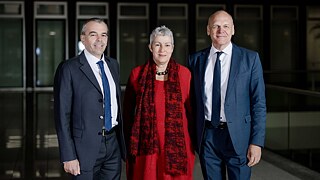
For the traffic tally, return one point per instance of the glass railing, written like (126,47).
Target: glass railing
(293,124)
(300,79)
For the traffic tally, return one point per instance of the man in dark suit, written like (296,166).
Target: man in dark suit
(230,103)
(88,149)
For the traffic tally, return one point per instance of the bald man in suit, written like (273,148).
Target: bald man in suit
(230,109)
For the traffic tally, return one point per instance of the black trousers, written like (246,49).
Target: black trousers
(108,163)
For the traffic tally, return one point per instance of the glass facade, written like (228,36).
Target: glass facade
(50,50)
(175,17)
(248,27)
(11,45)
(47,163)
(12,134)
(313,46)
(28,145)
(284,42)
(133,37)
(284,39)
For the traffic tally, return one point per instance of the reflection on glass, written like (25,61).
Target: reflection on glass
(284,42)
(11,53)
(47,162)
(313,46)
(293,125)
(10,8)
(92,10)
(50,50)
(11,135)
(50,9)
(80,46)
(249,36)
(133,46)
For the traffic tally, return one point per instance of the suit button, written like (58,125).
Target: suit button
(100,100)
(101,117)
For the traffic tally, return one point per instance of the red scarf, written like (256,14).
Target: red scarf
(144,139)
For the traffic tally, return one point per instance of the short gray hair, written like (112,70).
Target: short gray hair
(161,31)
(95,19)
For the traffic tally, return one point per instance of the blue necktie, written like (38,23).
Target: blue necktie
(216,92)
(107,100)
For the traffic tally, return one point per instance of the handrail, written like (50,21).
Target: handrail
(294,90)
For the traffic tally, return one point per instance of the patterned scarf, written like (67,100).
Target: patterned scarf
(144,138)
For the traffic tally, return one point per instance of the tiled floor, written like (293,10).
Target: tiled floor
(269,168)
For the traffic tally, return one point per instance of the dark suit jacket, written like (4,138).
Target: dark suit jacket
(77,108)
(245,104)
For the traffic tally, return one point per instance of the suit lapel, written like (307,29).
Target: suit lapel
(86,69)
(203,61)
(115,75)
(112,69)
(234,68)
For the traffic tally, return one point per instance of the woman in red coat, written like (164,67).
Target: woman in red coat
(157,115)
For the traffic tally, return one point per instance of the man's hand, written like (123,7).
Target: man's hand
(72,167)
(253,155)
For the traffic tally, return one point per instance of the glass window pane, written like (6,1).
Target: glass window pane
(313,46)
(50,9)
(10,8)
(92,10)
(50,49)
(133,37)
(313,12)
(284,13)
(249,36)
(204,11)
(248,27)
(11,135)
(11,53)
(169,11)
(131,10)
(80,46)
(284,34)
(47,163)
(248,12)
(133,45)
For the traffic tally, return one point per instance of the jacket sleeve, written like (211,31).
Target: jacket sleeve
(62,112)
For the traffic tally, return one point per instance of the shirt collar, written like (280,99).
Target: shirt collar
(91,57)
(226,50)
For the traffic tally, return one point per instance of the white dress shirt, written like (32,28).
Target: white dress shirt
(225,59)
(92,60)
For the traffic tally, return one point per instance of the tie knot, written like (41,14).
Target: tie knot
(100,63)
(218,54)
